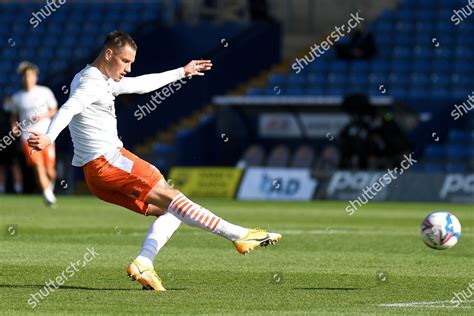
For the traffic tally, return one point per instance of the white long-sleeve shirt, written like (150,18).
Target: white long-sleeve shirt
(90,110)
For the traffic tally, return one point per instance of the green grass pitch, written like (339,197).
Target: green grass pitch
(327,263)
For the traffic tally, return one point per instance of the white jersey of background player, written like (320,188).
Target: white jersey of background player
(32,108)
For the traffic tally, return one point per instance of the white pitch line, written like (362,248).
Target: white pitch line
(328,231)
(435,304)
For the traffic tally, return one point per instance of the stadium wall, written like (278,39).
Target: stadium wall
(300,184)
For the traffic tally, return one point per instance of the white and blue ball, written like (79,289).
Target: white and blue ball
(441,230)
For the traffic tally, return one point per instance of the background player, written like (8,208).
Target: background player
(116,175)
(33,107)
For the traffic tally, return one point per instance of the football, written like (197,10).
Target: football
(440,230)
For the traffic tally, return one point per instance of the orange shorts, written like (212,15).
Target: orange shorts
(125,181)
(45,157)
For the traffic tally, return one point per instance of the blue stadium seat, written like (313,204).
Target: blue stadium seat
(335,91)
(463,54)
(356,88)
(425,4)
(400,81)
(377,78)
(295,90)
(456,152)
(456,168)
(397,92)
(458,94)
(400,66)
(422,53)
(316,79)
(339,66)
(434,152)
(277,79)
(403,39)
(402,52)
(380,66)
(405,26)
(462,67)
(360,66)
(319,66)
(444,67)
(405,14)
(443,53)
(295,79)
(417,92)
(337,79)
(255,91)
(384,27)
(358,78)
(434,167)
(422,27)
(314,90)
(162,149)
(439,93)
(425,15)
(458,136)
(420,79)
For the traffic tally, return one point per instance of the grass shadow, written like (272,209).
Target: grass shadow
(72,287)
(329,288)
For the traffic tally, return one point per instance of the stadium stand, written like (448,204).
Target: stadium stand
(303,157)
(279,156)
(62,43)
(422,58)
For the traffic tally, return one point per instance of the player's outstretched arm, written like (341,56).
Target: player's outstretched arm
(151,82)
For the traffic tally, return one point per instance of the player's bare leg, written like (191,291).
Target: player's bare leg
(44,183)
(51,174)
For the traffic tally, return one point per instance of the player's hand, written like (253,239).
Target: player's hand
(197,67)
(38,141)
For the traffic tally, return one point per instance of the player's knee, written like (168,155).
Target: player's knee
(51,173)
(154,211)
(162,194)
(40,169)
